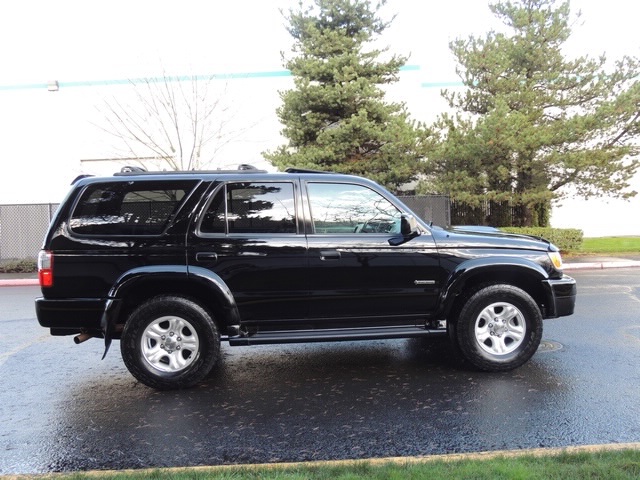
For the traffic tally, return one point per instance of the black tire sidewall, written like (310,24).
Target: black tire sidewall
(139,320)
(465,328)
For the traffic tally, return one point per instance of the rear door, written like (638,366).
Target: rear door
(250,236)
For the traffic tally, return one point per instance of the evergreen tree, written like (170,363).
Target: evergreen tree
(336,118)
(533,126)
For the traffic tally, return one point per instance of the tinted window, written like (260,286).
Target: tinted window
(251,208)
(128,208)
(345,208)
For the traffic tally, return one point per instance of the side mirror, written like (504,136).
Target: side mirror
(408,226)
(408,229)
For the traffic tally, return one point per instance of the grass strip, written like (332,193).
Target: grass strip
(570,463)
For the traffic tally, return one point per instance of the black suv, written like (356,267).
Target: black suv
(171,263)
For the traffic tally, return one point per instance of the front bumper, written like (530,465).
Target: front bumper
(561,293)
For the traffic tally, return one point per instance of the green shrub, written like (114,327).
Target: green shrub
(19,266)
(566,239)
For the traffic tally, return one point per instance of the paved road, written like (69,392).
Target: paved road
(65,409)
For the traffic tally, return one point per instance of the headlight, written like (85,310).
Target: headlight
(556,259)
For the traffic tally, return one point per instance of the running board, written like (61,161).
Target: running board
(332,335)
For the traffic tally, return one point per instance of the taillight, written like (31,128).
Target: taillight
(45,268)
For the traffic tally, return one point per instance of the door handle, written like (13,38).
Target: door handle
(329,255)
(206,257)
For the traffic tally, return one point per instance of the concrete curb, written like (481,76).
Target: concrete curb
(19,282)
(602,265)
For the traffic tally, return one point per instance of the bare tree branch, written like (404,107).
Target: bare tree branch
(180,121)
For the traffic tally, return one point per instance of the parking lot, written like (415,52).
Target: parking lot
(64,409)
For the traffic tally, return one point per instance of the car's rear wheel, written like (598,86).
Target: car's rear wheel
(170,342)
(499,328)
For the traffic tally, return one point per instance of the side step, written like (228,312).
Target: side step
(333,335)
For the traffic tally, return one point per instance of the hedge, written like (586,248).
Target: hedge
(19,266)
(566,239)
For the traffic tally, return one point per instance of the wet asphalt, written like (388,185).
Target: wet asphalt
(64,409)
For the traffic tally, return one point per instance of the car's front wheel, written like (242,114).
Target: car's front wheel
(499,328)
(170,342)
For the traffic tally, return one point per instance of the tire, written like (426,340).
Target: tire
(499,328)
(170,342)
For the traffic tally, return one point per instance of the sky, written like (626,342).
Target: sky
(74,40)
(81,42)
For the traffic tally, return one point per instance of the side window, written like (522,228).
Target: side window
(344,208)
(128,208)
(260,207)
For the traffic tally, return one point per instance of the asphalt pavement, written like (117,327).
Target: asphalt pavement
(65,409)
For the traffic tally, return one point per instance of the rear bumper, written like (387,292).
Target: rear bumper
(67,317)
(562,296)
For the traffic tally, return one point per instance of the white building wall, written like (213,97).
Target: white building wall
(47,135)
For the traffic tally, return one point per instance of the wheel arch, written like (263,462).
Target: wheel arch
(471,275)
(198,284)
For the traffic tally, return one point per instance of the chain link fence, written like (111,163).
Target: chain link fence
(434,209)
(23,227)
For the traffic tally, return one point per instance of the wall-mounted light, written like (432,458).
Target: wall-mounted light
(53,86)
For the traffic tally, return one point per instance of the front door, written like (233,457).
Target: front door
(355,273)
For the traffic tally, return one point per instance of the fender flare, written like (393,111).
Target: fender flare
(134,277)
(469,269)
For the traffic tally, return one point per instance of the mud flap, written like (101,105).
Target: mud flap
(108,323)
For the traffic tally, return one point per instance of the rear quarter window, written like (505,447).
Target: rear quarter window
(128,208)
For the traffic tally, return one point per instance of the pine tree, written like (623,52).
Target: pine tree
(335,118)
(533,126)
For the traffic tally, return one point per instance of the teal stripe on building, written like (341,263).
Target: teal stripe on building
(177,78)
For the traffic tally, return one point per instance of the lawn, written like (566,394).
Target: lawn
(610,245)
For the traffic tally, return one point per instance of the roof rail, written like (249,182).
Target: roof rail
(132,170)
(80,177)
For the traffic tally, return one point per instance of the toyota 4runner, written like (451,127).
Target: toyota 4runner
(171,263)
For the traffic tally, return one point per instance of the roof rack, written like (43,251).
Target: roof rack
(304,170)
(133,170)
